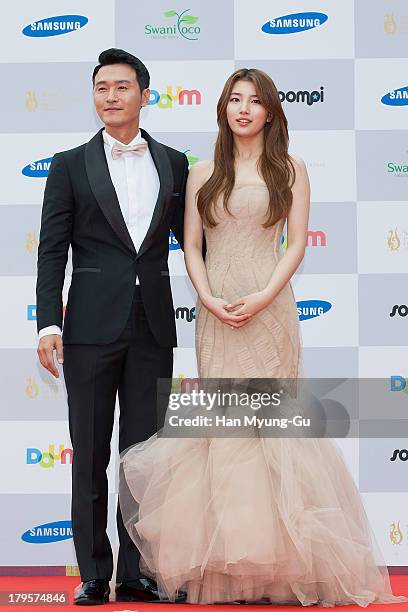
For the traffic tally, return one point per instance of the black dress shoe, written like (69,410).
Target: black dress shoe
(143,589)
(92,592)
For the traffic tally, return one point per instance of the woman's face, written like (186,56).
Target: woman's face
(245,114)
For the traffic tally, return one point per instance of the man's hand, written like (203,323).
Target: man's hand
(45,351)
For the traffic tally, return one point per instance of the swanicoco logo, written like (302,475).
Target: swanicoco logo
(49,532)
(396,97)
(47,459)
(38,169)
(308,97)
(54,26)
(292,24)
(397,169)
(184,27)
(182,97)
(310,309)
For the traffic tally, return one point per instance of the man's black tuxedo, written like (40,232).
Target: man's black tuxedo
(117,336)
(81,208)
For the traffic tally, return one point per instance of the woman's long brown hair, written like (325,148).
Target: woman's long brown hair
(274,164)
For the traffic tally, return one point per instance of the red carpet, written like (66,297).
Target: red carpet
(66,584)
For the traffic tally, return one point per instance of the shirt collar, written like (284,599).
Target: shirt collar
(110,141)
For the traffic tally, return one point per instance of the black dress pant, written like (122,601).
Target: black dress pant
(93,375)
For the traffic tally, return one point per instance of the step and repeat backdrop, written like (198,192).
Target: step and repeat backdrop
(341,71)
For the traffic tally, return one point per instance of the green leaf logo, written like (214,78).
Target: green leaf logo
(170,14)
(189,19)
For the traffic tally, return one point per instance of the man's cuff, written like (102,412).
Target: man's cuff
(51,329)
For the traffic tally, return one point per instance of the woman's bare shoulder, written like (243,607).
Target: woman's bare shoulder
(201,171)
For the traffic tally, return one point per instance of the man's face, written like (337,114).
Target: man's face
(117,95)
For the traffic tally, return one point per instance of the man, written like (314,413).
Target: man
(114,200)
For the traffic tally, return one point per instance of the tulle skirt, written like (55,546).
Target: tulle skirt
(254,519)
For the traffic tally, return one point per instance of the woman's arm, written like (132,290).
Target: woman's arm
(193,242)
(297,223)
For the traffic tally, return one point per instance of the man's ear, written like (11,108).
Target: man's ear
(145,97)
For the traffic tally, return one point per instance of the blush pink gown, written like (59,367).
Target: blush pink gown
(252,518)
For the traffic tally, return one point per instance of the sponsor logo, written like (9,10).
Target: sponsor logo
(397,170)
(295,23)
(185,26)
(47,459)
(395,25)
(174,245)
(302,97)
(396,535)
(32,312)
(31,243)
(316,238)
(50,389)
(191,158)
(185,313)
(398,383)
(397,238)
(396,97)
(182,97)
(310,309)
(401,454)
(49,532)
(38,169)
(55,26)
(401,310)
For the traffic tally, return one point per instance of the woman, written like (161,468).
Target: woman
(249,518)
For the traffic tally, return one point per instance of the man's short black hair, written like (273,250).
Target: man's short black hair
(118,56)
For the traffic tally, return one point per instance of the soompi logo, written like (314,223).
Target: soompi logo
(292,24)
(184,26)
(183,97)
(47,459)
(54,26)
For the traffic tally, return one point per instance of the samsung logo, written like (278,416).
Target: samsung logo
(174,245)
(310,309)
(54,26)
(396,97)
(290,24)
(49,532)
(38,168)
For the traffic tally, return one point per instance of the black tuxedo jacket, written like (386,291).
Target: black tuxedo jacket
(81,209)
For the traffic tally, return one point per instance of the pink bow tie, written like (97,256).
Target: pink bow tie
(139,149)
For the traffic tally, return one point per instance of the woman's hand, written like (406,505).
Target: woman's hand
(249,304)
(217,306)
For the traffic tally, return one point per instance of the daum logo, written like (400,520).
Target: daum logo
(396,97)
(49,532)
(398,383)
(308,97)
(316,238)
(55,26)
(38,169)
(174,245)
(182,97)
(310,309)
(183,26)
(47,459)
(292,24)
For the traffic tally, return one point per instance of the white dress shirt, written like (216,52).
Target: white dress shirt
(137,185)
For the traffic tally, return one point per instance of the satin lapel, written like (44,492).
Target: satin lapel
(165,172)
(103,189)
